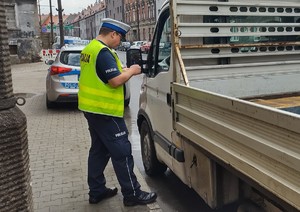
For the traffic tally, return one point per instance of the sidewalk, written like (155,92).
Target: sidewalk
(58,146)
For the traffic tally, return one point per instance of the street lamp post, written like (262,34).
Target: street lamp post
(40,16)
(61,23)
(51,22)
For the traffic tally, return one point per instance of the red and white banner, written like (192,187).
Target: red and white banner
(49,54)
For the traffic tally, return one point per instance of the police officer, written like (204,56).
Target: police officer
(101,98)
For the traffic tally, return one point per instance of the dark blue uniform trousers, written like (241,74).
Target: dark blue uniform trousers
(109,139)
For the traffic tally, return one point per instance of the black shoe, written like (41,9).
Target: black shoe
(142,199)
(110,192)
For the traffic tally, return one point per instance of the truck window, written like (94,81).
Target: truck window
(161,49)
(164,49)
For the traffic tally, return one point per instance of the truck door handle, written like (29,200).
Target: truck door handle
(169,99)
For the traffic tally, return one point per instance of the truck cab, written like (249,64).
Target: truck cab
(219,101)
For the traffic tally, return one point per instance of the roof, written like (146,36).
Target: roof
(55,20)
(71,18)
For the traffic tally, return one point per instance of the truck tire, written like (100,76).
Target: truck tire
(151,164)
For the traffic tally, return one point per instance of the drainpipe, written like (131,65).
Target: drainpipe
(137,3)
(15,189)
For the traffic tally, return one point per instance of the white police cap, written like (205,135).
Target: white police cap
(115,25)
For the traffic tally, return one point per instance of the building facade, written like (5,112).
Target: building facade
(30,30)
(141,16)
(99,16)
(114,9)
(84,24)
(23,30)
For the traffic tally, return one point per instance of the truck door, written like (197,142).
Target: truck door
(159,77)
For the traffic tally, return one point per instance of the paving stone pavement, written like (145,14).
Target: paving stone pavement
(58,147)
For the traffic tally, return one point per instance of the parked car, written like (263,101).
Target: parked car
(63,75)
(67,40)
(137,44)
(146,47)
(124,46)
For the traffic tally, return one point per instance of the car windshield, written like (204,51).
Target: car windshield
(71,58)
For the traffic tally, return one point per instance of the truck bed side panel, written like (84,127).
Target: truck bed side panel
(260,142)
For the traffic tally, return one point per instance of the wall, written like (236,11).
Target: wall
(23,30)
(83,30)
(98,19)
(114,9)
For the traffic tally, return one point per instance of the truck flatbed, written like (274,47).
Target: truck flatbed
(287,103)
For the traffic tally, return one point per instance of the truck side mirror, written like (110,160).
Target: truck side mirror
(134,56)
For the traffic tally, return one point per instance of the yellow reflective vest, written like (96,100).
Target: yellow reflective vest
(95,96)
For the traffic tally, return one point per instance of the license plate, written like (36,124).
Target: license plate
(70,85)
(70,78)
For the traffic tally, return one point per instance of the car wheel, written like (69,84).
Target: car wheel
(151,164)
(50,104)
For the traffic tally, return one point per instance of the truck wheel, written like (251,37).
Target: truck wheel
(151,164)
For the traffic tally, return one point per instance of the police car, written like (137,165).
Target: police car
(67,40)
(63,75)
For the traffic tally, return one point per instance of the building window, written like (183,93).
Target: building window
(11,16)
(149,12)
(152,11)
(144,17)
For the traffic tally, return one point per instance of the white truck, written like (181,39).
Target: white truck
(220,101)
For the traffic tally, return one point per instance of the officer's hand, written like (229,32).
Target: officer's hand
(135,69)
